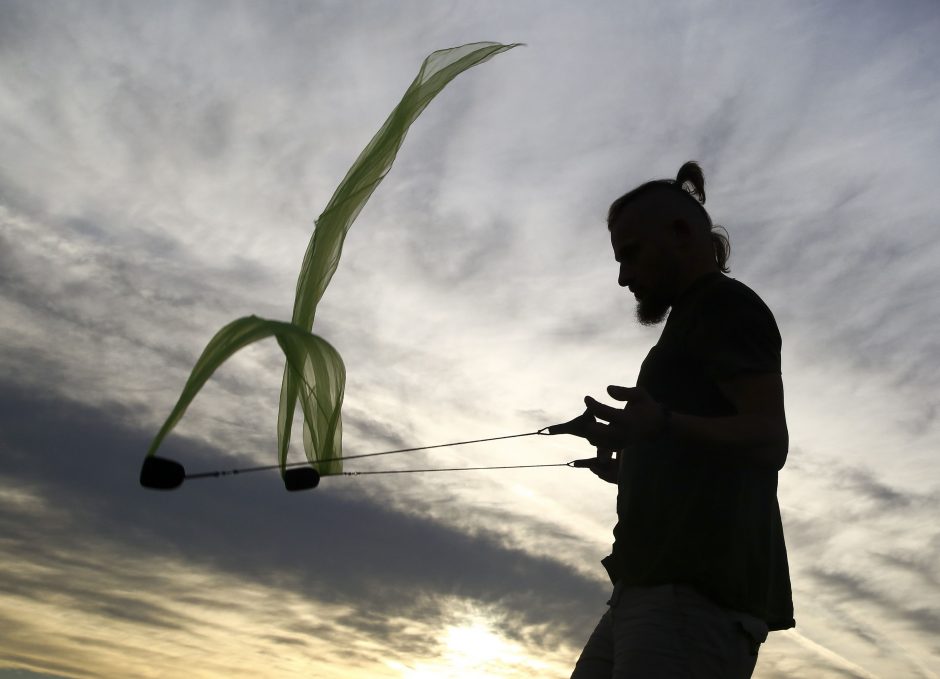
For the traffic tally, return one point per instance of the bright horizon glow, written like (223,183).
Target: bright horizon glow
(473,648)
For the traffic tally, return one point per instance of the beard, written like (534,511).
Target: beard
(656,296)
(651,309)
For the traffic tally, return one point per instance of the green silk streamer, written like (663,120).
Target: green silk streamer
(314,373)
(315,364)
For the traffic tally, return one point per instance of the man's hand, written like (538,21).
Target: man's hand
(640,419)
(605,466)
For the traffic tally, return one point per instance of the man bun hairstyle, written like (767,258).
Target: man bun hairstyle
(690,183)
(691,178)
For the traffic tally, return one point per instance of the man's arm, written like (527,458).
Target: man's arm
(758,430)
(756,433)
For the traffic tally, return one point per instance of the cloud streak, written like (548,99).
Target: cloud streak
(99,546)
(159,170)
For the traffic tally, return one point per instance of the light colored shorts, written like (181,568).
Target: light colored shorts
(670,632)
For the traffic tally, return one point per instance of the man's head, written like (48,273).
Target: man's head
(663,239)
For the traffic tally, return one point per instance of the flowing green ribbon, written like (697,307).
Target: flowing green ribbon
(314,372)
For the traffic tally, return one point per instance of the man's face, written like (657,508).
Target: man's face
(643,246)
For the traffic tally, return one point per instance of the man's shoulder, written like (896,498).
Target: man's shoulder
(728,306)
(736,330)
(726,292)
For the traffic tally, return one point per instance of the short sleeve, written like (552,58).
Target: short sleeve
(736,333)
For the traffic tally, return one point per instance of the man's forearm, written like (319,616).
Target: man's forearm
(748,438)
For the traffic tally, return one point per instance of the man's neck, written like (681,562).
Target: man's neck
(693,274)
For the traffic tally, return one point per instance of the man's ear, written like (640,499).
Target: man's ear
(683,232)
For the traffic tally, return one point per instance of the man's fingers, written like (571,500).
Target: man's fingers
(621,393)
(604,436)
(605,470)
(600,410)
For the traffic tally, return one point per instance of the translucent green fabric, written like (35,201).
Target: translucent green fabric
(314,372)
(314,363)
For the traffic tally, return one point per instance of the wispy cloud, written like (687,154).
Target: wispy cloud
(160,167)
(81,537)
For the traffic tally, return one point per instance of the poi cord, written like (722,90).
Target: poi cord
(247,470)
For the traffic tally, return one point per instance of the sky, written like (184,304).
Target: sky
(161,166)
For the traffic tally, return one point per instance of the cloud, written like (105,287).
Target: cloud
(159,171)
(80,517)
(860,552)
(845,587)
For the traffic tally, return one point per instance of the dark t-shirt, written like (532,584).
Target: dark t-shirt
(686,516)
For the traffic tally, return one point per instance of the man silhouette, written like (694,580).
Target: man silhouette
(699,564)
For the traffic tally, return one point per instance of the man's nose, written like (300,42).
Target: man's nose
(626,276)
